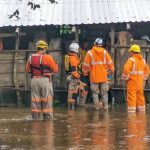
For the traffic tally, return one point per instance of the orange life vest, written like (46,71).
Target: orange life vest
(37,68)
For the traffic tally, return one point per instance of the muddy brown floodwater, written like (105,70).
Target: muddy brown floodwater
(80,129)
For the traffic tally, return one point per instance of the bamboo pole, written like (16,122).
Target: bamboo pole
(15,77)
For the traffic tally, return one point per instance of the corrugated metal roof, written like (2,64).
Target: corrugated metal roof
(45,12)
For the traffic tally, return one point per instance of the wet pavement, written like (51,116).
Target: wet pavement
(80,129)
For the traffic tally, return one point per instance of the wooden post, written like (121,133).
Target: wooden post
(1,44)
(112,39)
(113,50)
(77,34)
(15,77)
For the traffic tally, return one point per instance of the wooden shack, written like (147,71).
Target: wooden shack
(15,83)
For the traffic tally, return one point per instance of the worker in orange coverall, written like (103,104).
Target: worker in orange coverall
(41,66)
(85,79)
(98,64)
(135,73)
(73,76)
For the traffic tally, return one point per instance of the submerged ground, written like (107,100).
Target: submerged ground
(79,129)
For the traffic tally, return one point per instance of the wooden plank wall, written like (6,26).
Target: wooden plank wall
(122,54)
(6,62)
(6,71)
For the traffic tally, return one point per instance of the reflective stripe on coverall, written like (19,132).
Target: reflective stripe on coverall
(97,61)
(74,81)
(42,95)
(135,72)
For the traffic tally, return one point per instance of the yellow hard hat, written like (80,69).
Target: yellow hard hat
(41,44)
(135,48)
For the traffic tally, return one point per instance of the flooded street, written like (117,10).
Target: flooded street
(80,129)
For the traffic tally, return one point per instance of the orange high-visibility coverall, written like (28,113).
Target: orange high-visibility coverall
(74,80)
(74,62)
(135,72)
(41,85)
(97,62)
(73,77)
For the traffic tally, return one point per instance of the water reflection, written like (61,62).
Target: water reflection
(77,129)
(90,130)
(80,129)
(42,135)
(136,131)
(101,134)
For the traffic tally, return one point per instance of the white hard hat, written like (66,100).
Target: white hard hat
(98,41)
(74,47)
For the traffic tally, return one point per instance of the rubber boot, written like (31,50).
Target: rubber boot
(35,115)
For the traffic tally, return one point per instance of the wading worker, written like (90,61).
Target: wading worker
(98,64)
(73,76)
(84,79)
(135,73)
(41,66)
